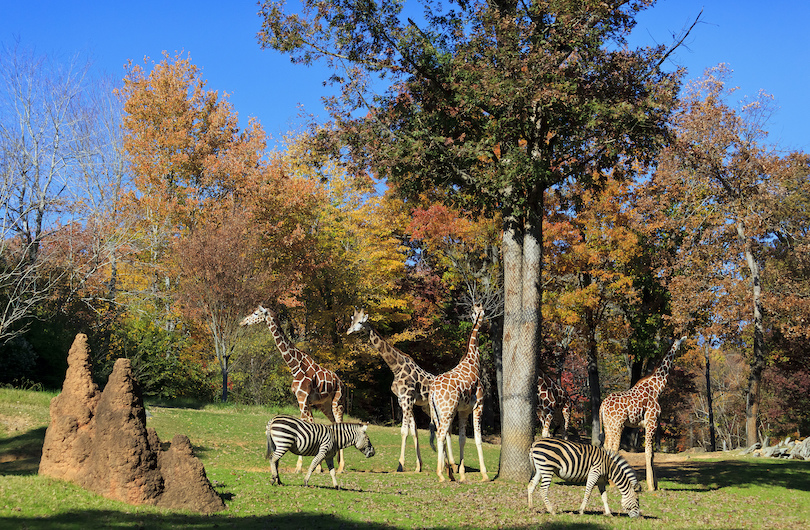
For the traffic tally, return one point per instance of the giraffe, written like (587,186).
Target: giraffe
(460,390)
(638,407)
(313,386)
(553,404)
(411,385)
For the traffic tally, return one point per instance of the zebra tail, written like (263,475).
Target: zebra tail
(271,447)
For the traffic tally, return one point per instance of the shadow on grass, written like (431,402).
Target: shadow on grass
(311,521)
(20,455)
(792,474)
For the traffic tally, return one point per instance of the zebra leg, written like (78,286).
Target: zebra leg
(544,484)
(330,463)
(602,485)
(593,478)
(306,415)
(335,415)
(534,481)
(316,460)
(477,413)
(274,478)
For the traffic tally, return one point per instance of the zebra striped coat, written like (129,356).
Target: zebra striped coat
(578,462)
(286,433)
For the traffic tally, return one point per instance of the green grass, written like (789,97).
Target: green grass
(730,492)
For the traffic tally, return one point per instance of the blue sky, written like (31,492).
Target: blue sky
(766,45)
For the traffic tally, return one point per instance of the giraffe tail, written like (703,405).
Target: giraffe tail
(434,418)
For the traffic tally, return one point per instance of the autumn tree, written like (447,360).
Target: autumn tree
(494,103)
(715,189)
(193,169)
(592,244)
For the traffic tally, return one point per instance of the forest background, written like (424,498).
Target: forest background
(142,213)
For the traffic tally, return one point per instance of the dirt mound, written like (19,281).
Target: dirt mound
(100,441)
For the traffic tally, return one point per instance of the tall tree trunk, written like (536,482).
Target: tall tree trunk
(758,358)
(712,435)
(593,370)
(522,248)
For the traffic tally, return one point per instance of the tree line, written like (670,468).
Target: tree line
(518,153)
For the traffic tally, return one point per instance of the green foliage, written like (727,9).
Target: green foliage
(259,376)
(160,361)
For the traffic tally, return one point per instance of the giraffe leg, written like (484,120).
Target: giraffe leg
(407,418)
(546,419)
(415,435)
(462,441)
(566,413)
(649,437)
(337,415)
(441,459)
(479,443)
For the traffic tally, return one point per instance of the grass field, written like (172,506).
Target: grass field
(710,491)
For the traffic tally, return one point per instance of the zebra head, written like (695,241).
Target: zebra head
(363,443)
(260,315)
(358,320)
(625,479)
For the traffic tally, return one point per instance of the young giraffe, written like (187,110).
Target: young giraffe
(638,407)
(460,390)
(313,386)
(552,404)
(411,385)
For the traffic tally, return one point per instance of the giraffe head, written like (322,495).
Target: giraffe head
(358,321)
(477,313)
(260,315)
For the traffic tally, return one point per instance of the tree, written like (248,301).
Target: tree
(592,244)
(197,177)
(493,103)
(42,121)
(715,188)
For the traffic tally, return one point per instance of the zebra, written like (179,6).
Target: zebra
(583,463)
(287,433)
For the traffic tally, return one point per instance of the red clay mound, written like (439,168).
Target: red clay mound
(100,441)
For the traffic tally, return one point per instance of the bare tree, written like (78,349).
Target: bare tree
(39,104)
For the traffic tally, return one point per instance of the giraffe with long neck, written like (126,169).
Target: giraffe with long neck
(638,407)
(313,386)
(411,384)
(460,391)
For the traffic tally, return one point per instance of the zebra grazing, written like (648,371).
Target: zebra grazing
(286,433)
(583,463)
